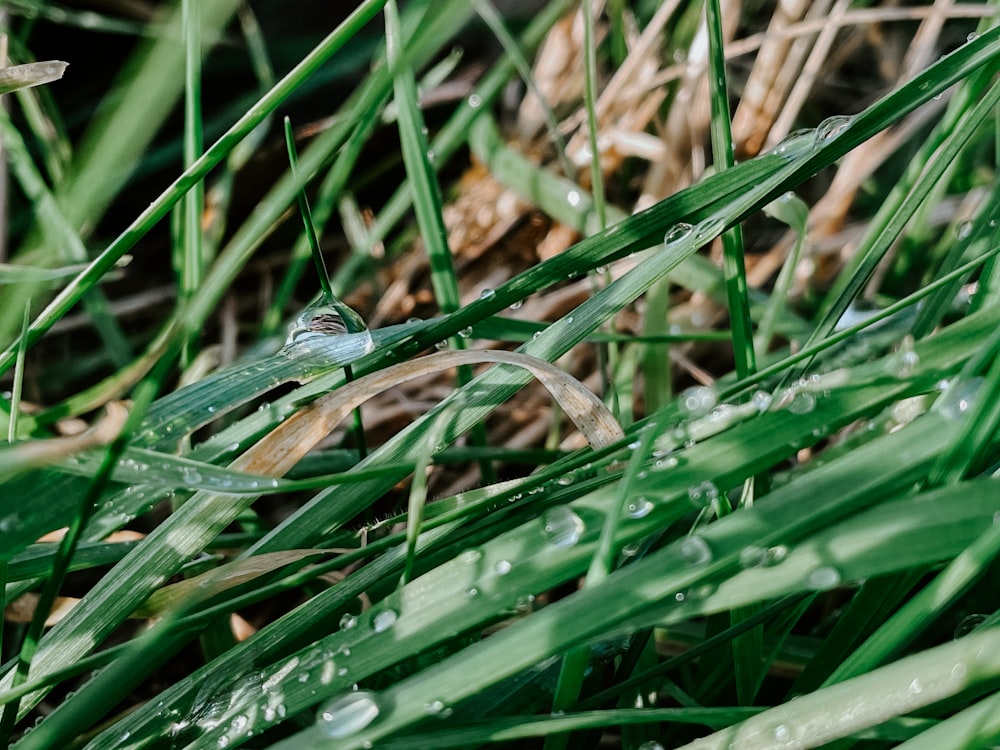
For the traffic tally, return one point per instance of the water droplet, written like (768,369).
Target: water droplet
(348,621)
(704,493)
(698,400)
(569,319)
(963,230)
(959,671)
(762,557)
(761,400)
(475,101)
(487,294)
(562,526)
(503,567)
(565,480)
(573,198)
(676,233)
(795,144)
(973,36)
(782,733)
(516,305)
(695,550)
(709,228)
(916,687)
(441,345)
(824,578)
(190,475)
(906,359)
(968,624)
(535,335)
(465,332)
(802,403)
(524,605)
(384,620)
(639,508)
(832,127)
(434,708)
(470,556)
(471,592)
(959,398)
(651,745)
(348,714)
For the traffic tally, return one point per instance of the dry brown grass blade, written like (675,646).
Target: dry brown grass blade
(30,454)
(767,86)
(293,439)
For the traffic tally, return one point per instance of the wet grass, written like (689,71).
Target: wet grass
(783,488)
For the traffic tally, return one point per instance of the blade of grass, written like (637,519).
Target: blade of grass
(193,262)
(324,277)
(17,387)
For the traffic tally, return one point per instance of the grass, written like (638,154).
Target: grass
(754,503)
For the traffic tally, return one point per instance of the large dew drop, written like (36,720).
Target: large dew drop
(795,144)
(328,331)
(676,233)
(832,127)
(561,526)
(348,714)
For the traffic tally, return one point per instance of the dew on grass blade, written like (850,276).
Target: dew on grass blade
(698,400)
(695,550)
(638,508)
(795,144)
(561,526)
(802,403)
(704,493)
(959,398)
(762,557)
(824,578)
(348,714)
(968,624)
(832,127)
(676,233)
(761,400)
(384,620)
(330,332)
(782,734)
(348,621)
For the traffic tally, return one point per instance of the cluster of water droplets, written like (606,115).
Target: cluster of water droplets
(799,143)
